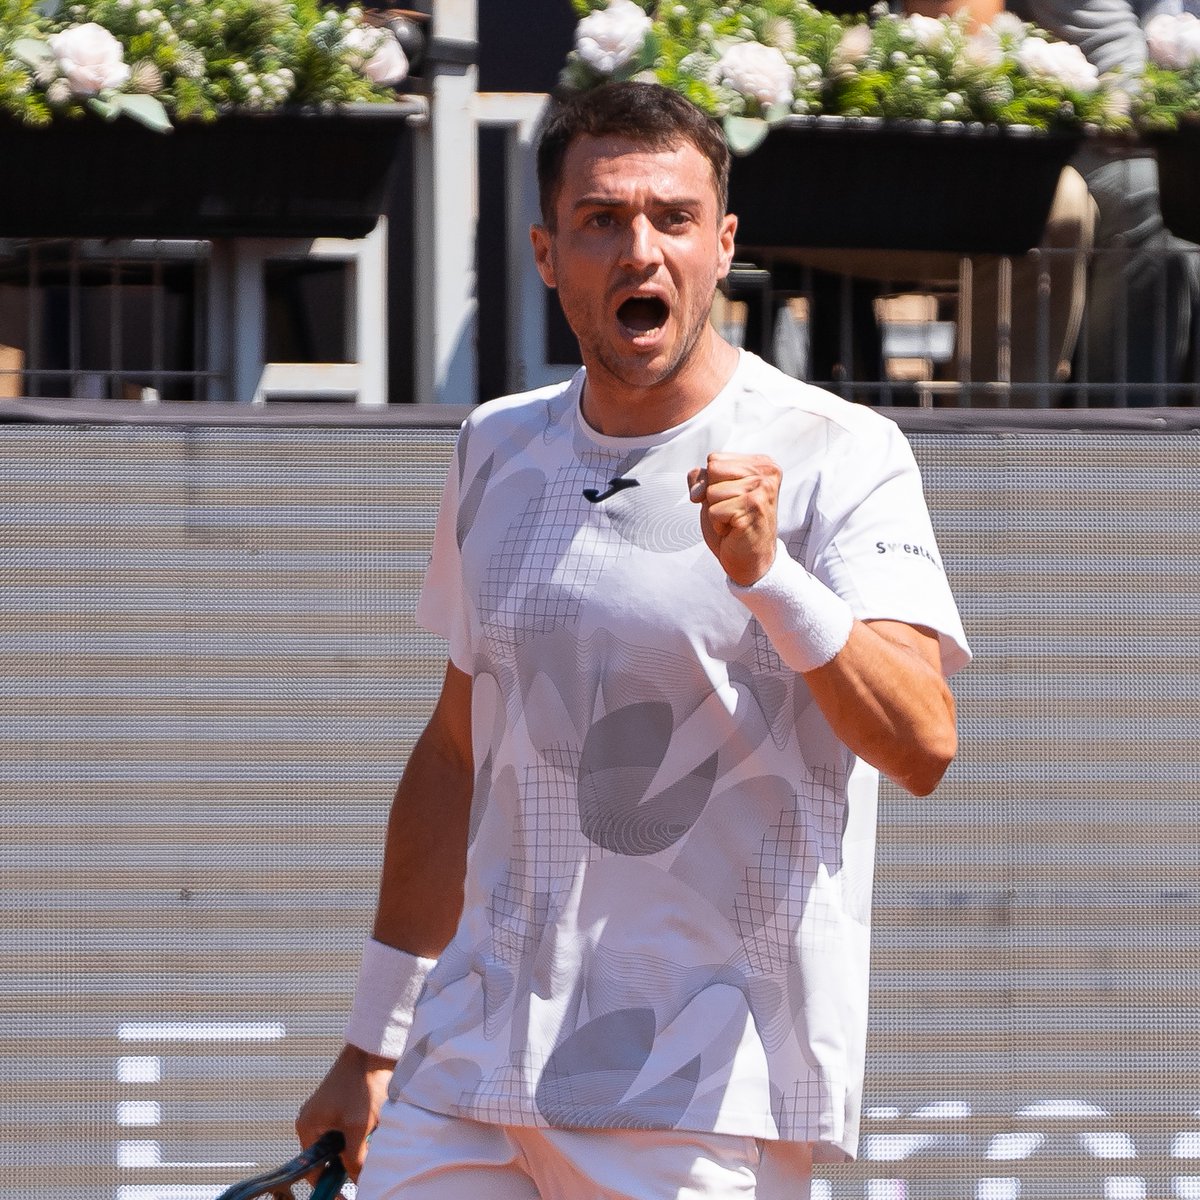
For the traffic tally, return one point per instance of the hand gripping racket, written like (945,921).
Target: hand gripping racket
(323,1153)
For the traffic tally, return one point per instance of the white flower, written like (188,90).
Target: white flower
(780,32)
(59,93)
(46,72)
(377,54)
(983,49)
(1061,61)
(700,65)
(1118,102)
(609,37)
(759,72)
(930,33)
(854,46)
(191,64)
(146,78)
(90,58)
(1173,40)
(1008,25)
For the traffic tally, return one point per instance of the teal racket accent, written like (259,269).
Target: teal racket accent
(323,1153)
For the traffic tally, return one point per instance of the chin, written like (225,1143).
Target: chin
(650,373)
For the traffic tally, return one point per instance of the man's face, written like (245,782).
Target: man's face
(637,251)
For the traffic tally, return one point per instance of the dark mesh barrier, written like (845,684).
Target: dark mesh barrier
(213,677)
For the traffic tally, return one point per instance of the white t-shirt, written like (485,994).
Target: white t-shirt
(668,891)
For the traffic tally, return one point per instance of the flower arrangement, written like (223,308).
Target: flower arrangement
(164,61)
(752,64)
(1171,85)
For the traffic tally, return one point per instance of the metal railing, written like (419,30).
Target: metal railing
(142,321)
(103,320)
(242,319)
(1001,334)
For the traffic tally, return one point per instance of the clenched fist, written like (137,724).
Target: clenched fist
(738,496)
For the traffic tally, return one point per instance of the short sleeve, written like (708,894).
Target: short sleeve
(441,607)
(873,541)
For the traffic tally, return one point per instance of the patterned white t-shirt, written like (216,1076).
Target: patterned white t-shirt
(668,890)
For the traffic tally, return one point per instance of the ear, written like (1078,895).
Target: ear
(725,243)
(542,240)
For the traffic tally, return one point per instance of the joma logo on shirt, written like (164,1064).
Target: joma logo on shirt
(907,548)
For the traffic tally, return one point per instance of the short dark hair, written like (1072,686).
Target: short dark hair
(647,113)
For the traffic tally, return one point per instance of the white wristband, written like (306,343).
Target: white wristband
(806,622)
(389,983)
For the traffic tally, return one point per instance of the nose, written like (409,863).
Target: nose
(641,247)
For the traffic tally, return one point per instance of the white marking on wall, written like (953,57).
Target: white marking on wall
(138,1154)
(201,1031)
(131,1113)
(137,1191)
(139,1068)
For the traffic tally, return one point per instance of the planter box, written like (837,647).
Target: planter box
(290,173)
(866,183)
(1178,157)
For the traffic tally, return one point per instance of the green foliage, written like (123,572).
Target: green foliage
(1169,97)
(874,65)
(189,59)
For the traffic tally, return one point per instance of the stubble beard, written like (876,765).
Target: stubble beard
(645,376)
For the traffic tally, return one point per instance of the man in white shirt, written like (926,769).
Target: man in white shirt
(692,608)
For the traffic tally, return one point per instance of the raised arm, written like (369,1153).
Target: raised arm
(884,695)
(879,683)
(420,899)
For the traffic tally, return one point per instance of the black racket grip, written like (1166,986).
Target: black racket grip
(322,1153)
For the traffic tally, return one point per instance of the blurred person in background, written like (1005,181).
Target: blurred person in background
(1144,282)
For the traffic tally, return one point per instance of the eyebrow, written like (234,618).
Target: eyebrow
(602,201)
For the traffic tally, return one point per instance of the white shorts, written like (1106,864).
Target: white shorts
(420,1155)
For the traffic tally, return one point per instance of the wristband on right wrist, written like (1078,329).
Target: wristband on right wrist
(389,985)
(806,622)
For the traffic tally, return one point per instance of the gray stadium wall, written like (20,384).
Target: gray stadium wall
(212,678)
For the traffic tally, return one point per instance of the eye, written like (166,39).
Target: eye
(677,219)
(601,220)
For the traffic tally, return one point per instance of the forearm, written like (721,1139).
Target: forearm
(884,696)
(425,854)
(420,897)
(878,684)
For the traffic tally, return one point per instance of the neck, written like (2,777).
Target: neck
(617,408)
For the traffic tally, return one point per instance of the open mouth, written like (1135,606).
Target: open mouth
(642,314)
